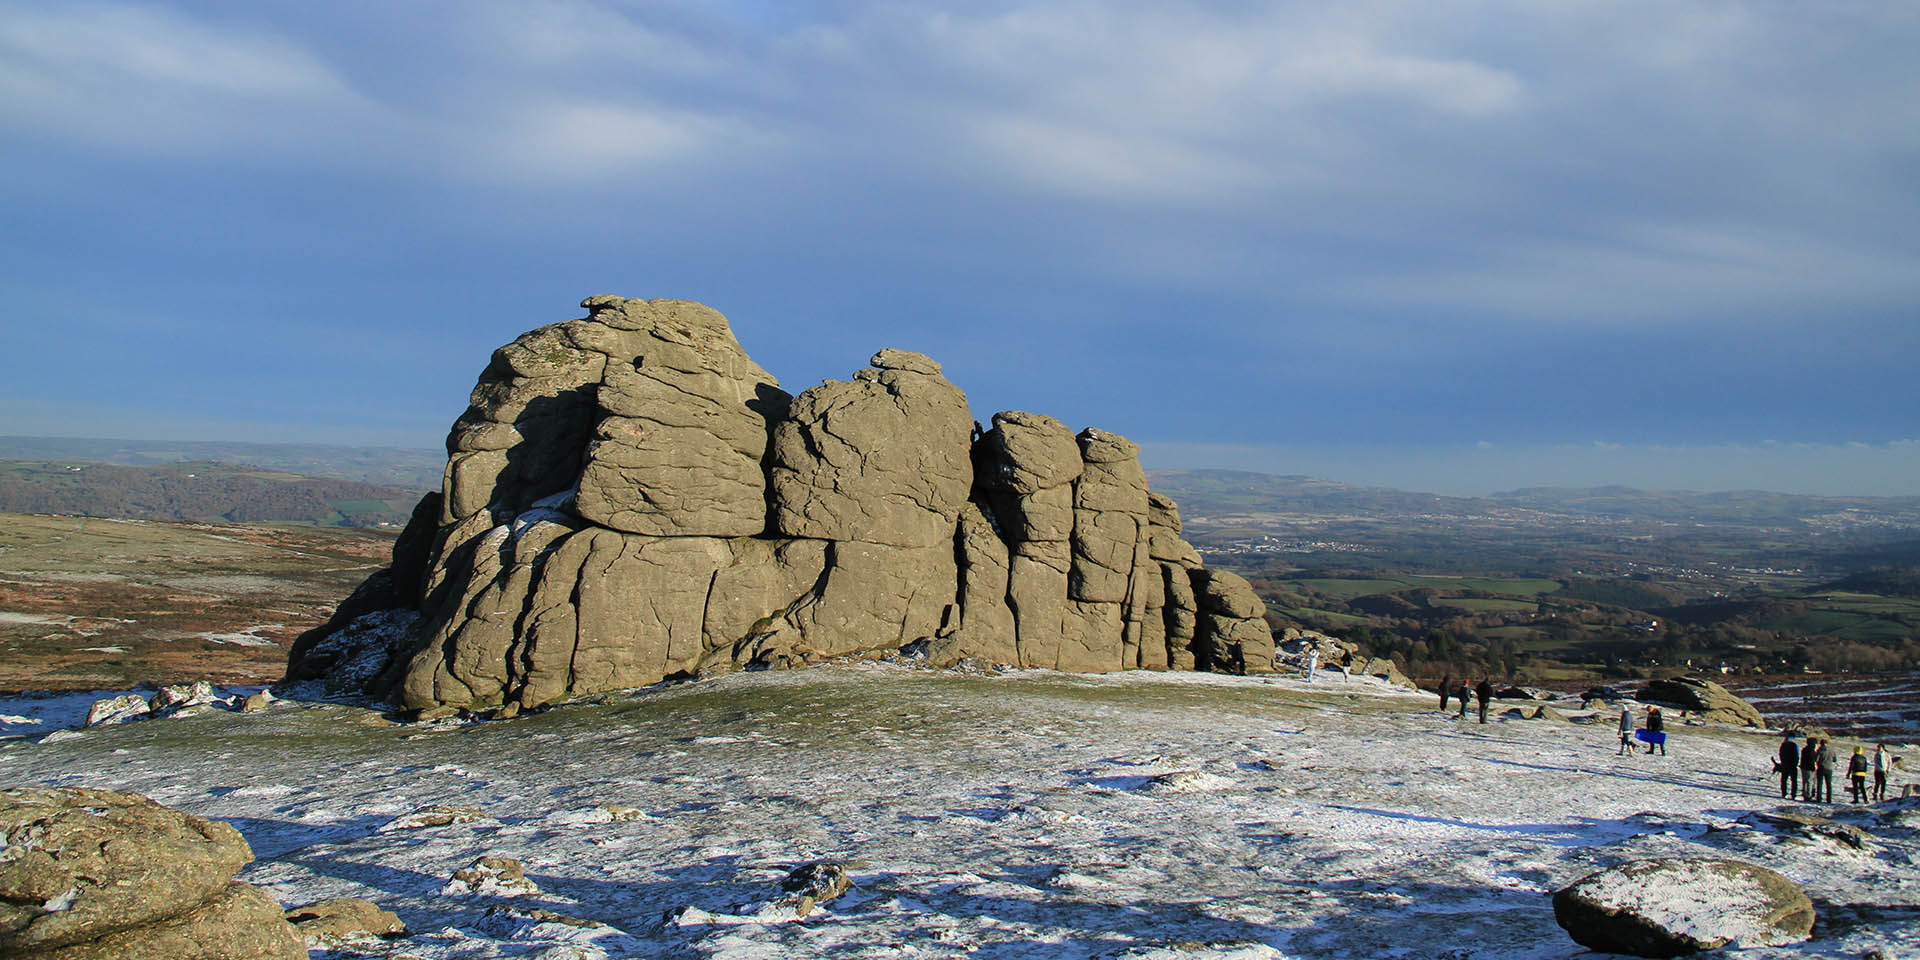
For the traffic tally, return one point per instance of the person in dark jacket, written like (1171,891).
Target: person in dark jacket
(1788,767)
(1823,772)
(1446,690)
(1809,765)
(1857,774)
(1464,694)
(1656,731)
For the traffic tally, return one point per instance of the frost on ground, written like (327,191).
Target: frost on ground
(1030,815)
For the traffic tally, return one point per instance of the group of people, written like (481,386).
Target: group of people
(1654,735)
(1483,692)
(1806,771)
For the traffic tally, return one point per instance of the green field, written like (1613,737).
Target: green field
(355,508)
(1484,604)
(1349,588)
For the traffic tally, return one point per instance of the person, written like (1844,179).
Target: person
(1446,690)
(1882,762)
(1485,693)
(1626,730)
(1313,664)
(1788,767)
(1656,731)
(1823,772)
(1857,774)
(1464,696)
(1809,761)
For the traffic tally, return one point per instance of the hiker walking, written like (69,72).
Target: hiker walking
(1484,692)
(1857,774)
(1809,762)
(1626,730)
(1823,772)
(1446,690)
(1656,731)
(1464,696)
(1882,762)
(1788,766)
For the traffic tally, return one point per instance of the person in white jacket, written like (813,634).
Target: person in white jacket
(1626,729)
(1882,763)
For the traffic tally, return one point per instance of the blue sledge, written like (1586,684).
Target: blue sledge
(1650,738)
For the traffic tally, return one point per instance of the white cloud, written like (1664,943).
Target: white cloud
(149,77)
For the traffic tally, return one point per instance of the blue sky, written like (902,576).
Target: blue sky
(1453,246)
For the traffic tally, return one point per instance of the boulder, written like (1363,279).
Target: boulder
(1670,906)
(1231,633)
(179,695)
(1705,699)
(99,873)
(332,922)
(120,709)
(884,458)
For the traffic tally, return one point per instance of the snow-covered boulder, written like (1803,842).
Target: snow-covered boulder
(1670,906)
(121,709)
(491,877)
(182,695)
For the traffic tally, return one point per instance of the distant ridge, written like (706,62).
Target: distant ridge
(415,469)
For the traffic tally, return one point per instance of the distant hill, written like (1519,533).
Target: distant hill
(1214,493)
(1889,582)
(198,491)
(408,468)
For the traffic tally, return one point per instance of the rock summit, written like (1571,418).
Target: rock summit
(629,498)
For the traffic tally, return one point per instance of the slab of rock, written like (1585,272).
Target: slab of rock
(84,864)
(884,458)
(814,883)
(1705,699)
(344,920)
(1671,906)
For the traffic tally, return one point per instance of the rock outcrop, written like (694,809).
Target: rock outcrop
(1671,906)
(100,874)
(1704,699)
(629,498)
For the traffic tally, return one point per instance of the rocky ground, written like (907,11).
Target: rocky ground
(1034,814)
(1870,706)
(88,603)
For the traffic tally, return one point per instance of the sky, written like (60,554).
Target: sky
(1460,247)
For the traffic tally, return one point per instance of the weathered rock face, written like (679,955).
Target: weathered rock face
(629,498)
(95,873)
(1671,906)
(1708,700)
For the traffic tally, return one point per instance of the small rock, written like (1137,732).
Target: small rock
(256,702)
(339,921)
(491,876)
(119,709)
(434,816)
(181,695)
(812,884)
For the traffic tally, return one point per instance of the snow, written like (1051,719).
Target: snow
(1025,816)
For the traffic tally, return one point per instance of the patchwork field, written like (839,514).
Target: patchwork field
(87,603)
